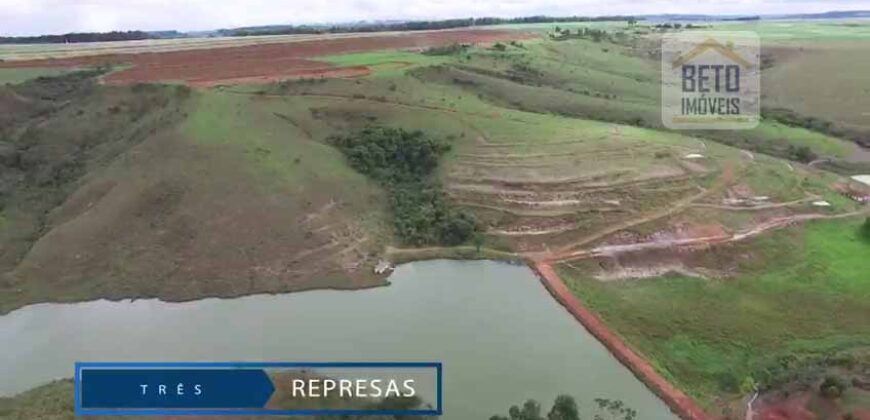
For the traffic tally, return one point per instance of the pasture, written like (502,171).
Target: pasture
(752,313)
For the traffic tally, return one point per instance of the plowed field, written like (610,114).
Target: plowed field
(262,62)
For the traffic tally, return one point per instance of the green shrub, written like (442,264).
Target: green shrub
(865,229)
(832,387)
(451,49)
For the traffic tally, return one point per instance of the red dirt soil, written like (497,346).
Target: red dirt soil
(262,62)
(679,402)
(791,409)
(796,408)
(324,72)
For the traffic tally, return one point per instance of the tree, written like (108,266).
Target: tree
(865,229)
(477,239)
(531,411)
(614,410)
(564,408)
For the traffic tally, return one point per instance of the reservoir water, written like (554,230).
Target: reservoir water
(501,336)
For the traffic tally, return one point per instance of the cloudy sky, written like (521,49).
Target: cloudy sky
(30,17)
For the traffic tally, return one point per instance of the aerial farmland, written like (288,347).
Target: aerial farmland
(725,271)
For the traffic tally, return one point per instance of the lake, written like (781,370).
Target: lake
(501,336)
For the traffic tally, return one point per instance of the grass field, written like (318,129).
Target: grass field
(50,401)
(15,76)
(782,303)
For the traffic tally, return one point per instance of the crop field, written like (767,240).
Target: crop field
(696,247)
(261,62)
(23,52)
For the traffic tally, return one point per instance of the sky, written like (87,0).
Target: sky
(35,17)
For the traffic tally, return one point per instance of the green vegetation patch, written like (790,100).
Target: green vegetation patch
(403,162)
(789,306)
(21,75)
(50,401)
(385,63)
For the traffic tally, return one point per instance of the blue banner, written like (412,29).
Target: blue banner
(175,388)
(257,388)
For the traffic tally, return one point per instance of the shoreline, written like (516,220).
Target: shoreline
(680,403)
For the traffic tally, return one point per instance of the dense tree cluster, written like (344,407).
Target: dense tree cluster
(596,35)
(403,162)
(451,49)
(565,408)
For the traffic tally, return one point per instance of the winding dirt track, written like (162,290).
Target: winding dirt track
(611,250)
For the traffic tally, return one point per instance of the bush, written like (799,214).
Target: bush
(451,49)
(728,382)
(865,229)
(832,387)
(802,153)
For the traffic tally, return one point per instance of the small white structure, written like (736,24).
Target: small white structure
(383,266)
(821,203)
(694,156)
(863,179)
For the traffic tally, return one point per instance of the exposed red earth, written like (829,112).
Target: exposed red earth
(797,407)
(309,73)
(264,62)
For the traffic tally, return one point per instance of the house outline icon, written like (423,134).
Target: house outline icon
(709,44)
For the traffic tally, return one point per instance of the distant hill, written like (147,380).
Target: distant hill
(417,25)
(77,37)
(826,15)
(843,14)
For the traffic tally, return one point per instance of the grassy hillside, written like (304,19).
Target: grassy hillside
(52,401)
(764,313)
(209,194)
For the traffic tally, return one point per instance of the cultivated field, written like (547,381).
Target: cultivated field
(258,62)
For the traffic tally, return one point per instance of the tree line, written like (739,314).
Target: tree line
(420,25)
(78,37)
(565,408)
